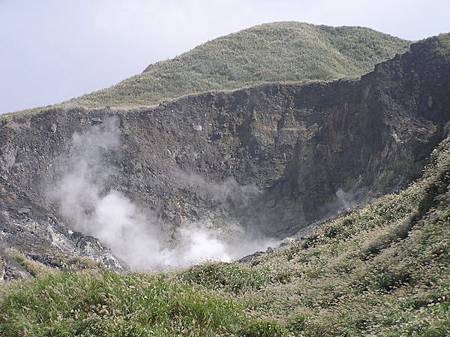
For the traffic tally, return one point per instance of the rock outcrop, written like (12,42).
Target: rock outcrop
(273,158)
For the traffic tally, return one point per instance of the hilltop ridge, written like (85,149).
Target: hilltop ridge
(275,52)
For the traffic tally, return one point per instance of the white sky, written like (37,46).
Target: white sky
(52,50)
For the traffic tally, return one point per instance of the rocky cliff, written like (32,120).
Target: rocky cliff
(270,159)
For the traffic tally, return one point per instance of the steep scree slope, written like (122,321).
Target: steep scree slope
(312,150)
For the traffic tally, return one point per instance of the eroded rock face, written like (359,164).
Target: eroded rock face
(41,235)
(374,137)
(311,150)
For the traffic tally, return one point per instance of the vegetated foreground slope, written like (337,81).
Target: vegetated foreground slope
(285,51)
(311,151)
(379,271)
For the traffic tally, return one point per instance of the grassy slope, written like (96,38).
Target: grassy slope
(286,51)
(382,270)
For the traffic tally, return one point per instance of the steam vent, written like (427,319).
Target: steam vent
(288,179)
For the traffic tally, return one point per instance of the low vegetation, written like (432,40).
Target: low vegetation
(108,304)
(233,278)
(444,40)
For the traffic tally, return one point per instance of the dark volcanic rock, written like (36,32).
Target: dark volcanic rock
(313,150)
(38,232)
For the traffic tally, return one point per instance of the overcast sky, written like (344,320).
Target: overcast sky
(52,50)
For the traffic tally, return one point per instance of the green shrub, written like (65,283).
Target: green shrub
(264,329)
(233,278)
(296,324)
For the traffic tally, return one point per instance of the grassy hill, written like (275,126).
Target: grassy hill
(379,271)
(285,51)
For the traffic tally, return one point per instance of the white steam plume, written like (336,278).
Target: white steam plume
(133,234)
(225,193)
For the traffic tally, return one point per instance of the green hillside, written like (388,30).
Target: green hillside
(379,271)
(285,51)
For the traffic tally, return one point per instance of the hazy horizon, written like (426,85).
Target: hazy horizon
(56,50)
